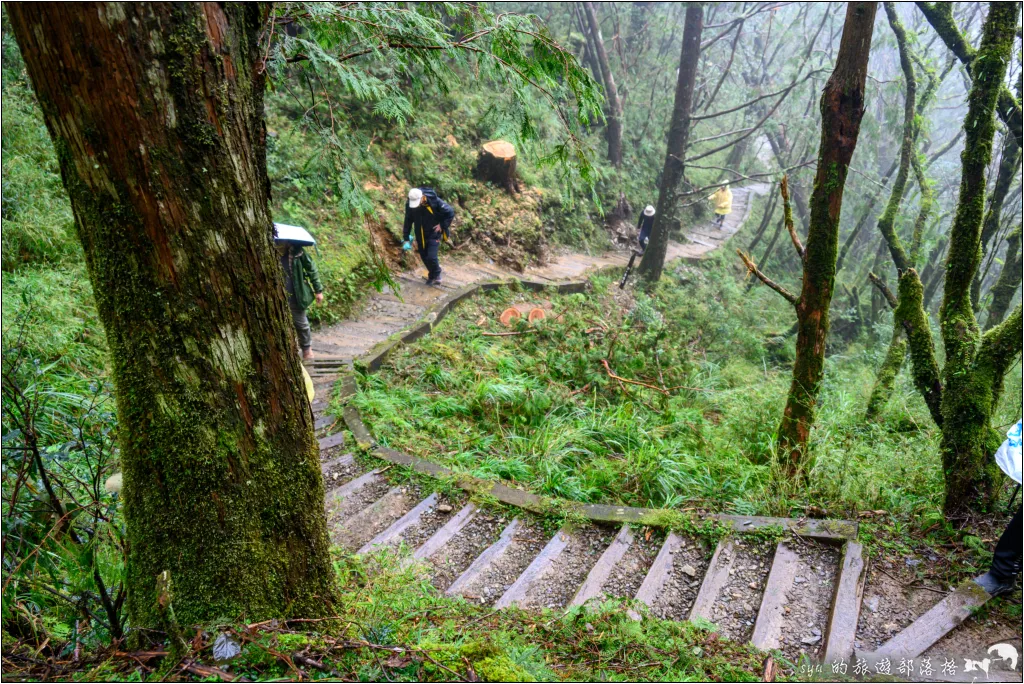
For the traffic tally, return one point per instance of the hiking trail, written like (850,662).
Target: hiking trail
(802,595)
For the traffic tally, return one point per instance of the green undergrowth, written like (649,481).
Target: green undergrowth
(540,409)
(397,627)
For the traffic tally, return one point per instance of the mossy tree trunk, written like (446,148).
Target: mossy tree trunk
(964,396)
(614,111)
(156,113)
(842,106)
(1008,282)
(653,261)
(1009,162)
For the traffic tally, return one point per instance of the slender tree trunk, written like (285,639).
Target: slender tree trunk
(1008,165)
(614,130)
(667,214)
(1008,282)
(887,372)
(156,113)
(842,106)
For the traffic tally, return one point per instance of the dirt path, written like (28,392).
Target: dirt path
(384,314)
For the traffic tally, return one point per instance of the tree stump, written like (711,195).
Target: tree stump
(497,164)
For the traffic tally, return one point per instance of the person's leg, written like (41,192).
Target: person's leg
(302,328)
(432,262)
(1006,562)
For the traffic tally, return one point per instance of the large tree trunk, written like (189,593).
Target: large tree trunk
(611,92)
(496,163)
(971,375)
(842,106)
(156,113)
(666,217)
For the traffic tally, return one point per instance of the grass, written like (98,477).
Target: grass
(397,627)
(540,409)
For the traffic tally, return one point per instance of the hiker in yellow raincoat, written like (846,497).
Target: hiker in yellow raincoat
(723,204)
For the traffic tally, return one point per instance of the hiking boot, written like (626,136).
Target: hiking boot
(994,584)
(307,354)
(436,282)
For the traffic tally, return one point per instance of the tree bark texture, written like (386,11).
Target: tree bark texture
(156,114)
(653,261)
(1008,282)
(614,114)
(842,106)
(1008,165)
(972,376)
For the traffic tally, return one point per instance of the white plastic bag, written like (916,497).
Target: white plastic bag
(1008,456)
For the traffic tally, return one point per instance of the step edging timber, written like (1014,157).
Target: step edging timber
(844,614)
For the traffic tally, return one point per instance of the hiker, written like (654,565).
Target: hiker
(723,204)
(1006,561)
(644,225)
(301,280)
(430,217)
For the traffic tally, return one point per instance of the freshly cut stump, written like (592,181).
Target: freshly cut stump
(556,587)
(446,564)
(735,608)
(496,163)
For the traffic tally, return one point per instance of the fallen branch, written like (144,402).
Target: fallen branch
(752,268)
(205,671)
(507,334)
(613,376)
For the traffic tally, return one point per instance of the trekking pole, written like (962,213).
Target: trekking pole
(1013,497)
(629,269)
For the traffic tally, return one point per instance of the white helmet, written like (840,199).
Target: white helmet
(415,197)
(649,211)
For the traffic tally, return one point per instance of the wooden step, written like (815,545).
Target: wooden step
(768,626)
(338,461)
(324,422)
(659,571)
(401,525)
(484,560)
(446,533)
(940,619)
(372,519)
(331,441)
(846,602)
(352,486)
(517,592)
(602,570)
(715,577)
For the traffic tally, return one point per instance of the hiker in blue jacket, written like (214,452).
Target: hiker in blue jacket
(429,217)
(644,226)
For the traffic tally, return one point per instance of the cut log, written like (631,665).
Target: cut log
(497,164)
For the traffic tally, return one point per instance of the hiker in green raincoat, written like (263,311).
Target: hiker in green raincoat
(302,283)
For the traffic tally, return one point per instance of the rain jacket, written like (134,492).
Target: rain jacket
(433,211)
(302,278)
(723,201)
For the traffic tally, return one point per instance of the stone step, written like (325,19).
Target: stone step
(517,592)
(715,577)
(846,602)
(396,529)
(332,441)
(940,619)
(373,519)
(446,533)
(602,570)
(768,628)
(485,559)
